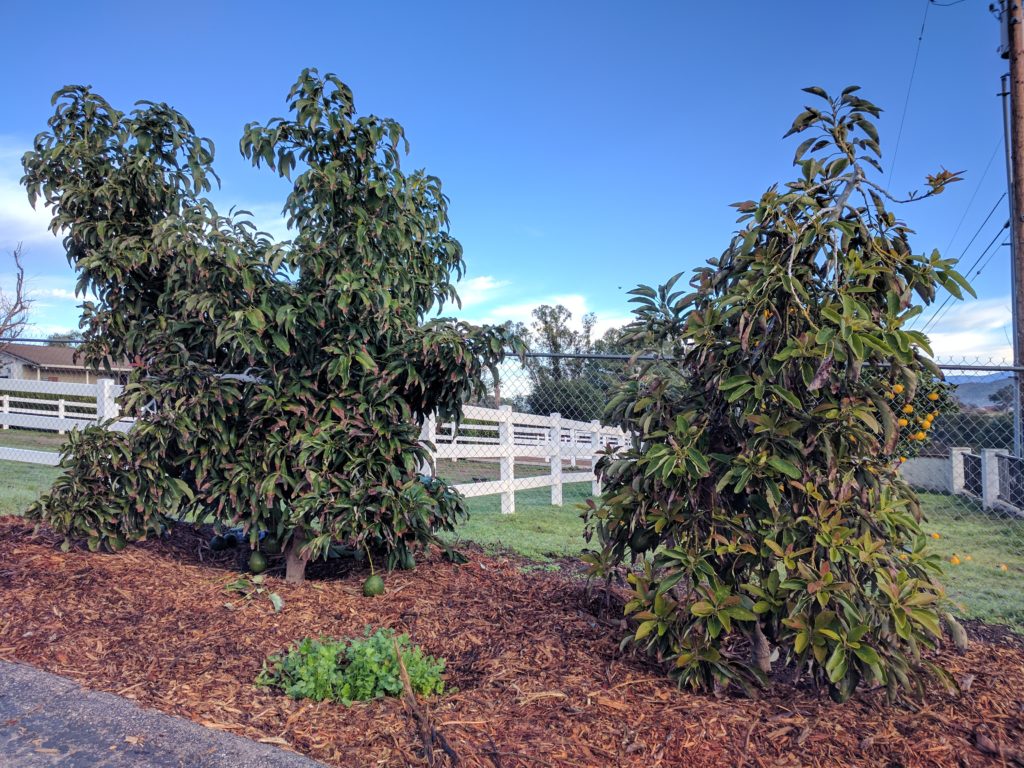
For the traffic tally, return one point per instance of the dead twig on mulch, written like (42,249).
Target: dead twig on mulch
(429,734)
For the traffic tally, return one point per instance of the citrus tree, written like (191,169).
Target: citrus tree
(761,487)
(279,386)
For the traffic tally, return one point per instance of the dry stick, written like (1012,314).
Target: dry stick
(493,754)
(428,733)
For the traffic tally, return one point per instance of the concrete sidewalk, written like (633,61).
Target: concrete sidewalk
(47,721)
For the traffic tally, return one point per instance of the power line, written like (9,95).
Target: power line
(938,313)
(982,267)
(977,232)
(906,101)
(977,189)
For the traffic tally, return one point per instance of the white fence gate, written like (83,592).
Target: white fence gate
(489,434)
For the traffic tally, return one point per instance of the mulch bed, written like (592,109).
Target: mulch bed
(540,678)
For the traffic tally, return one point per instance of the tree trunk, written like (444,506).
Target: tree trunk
(760,651)
(295,565)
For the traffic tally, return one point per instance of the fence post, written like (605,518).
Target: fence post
(106,405)
(506,460)
(60,415)
(428,434)
(990,476)
(573,436)
(556,459)
(595,445)
(956,458)
(5,407)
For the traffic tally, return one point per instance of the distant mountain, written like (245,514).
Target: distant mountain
(977,390)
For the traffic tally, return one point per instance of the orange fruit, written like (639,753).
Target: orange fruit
(920,436)
(898,389)
(954,560)
(908,408)
(1003,567)
(902,422)
(902,459)
(936,536)
(933,396)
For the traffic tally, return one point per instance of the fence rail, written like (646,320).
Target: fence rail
(501,435)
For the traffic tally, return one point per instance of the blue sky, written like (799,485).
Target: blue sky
(586,146)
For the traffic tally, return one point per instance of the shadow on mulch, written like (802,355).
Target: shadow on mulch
(538,676)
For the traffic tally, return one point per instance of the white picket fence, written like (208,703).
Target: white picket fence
(498,435)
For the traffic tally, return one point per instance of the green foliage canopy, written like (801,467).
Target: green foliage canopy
(278,385)
(762,474)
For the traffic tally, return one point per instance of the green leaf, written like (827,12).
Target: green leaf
(785,467)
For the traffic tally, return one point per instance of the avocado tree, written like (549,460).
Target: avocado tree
(279,386)
(761,487)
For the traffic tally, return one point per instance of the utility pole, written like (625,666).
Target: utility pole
(1013,49)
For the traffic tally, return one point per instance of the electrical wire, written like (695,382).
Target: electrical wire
(942,307)
(977,232)
(982,267)
(910,85)
(974,194)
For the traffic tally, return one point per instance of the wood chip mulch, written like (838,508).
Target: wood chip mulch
(539,677)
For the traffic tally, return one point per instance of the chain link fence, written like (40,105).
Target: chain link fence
(528,450)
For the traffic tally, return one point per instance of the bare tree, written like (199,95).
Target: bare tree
(14,306)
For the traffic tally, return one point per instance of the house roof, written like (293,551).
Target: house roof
(44,356)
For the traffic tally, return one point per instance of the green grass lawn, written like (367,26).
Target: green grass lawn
(541,532)
(31,439)
(21,484)
(983,542)
(537,530)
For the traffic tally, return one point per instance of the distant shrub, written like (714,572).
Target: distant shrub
(349,670)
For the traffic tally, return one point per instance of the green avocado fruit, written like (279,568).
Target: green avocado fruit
(373,586)
(270,546)
(643,540)
(257,563)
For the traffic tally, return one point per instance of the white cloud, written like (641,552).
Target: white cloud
(974,330)
(479,290)
(65,294)
(19,221)
(982,314)
(577,304)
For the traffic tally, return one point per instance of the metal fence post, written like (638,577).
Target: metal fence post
(990,476)
(956,458)
(507,460)
(595,446)
(556,459)
(106,405)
